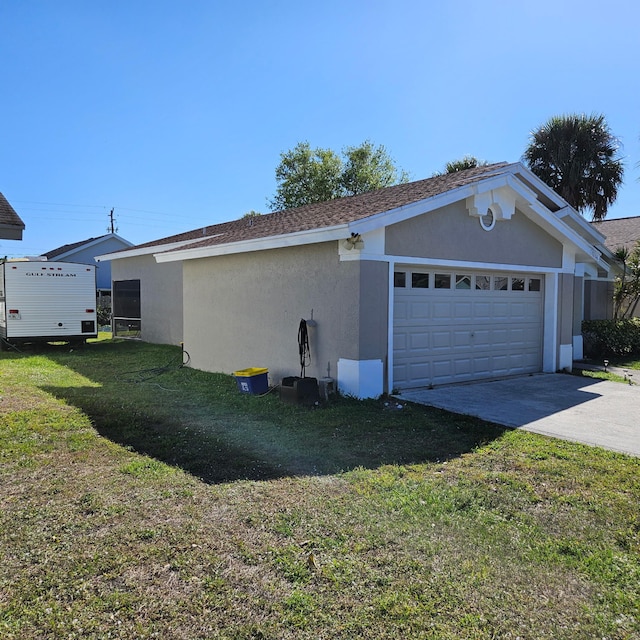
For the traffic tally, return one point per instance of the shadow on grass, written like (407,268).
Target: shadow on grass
(200,422)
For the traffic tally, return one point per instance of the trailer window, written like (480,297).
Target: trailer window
(126,308)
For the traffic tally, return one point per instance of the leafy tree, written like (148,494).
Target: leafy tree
(466,162)
(577,156)
(307,175)
(626,293)
(367,168)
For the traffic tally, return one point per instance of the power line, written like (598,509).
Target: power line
(59,204)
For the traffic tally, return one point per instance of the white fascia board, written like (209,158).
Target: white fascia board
(556,227)
(586,226)
(145,251)
(519,168)
(311,236)
(564,210)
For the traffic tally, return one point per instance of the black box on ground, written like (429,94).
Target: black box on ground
(295,390)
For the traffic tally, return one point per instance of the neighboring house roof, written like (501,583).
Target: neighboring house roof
(83,244)
(11,225)
(621,232)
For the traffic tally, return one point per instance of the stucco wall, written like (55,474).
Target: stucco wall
(578,305)
(598,300)
(160,296)
(565,308)
(244,310)
(451,233)
(374,314)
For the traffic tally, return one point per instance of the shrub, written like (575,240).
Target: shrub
(104,311)
(611,337)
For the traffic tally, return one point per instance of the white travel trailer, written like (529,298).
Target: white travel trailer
(44,301)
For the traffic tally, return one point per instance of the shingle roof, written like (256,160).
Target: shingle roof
(330,213)
(69,247)
(620,232)
(8,216)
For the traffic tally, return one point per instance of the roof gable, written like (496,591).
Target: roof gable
(69,249)
(321,215)
(512,184)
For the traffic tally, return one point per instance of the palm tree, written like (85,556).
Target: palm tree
(577,156)
(466,162)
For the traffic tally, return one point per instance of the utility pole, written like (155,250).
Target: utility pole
(112,226)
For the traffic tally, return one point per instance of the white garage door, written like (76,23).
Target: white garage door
(461,326)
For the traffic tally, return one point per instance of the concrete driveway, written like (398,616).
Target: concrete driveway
(594,412)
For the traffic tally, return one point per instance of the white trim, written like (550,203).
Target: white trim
(554,226)
(463,264)
(542,187)
(360,378)
(146,251)
(578,348)
(456,265)
(374,245)
(566,357)
(311,236)
(581,222)
(568,259)
(390,320)
(483,223)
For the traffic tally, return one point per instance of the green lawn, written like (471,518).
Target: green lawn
(139,499)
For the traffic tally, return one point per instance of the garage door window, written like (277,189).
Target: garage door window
(420,280)
(465,281)
(399,279)
(442,281)
(501,283)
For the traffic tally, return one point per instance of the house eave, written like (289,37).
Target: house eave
(11,232)
(311,236)
(145,251)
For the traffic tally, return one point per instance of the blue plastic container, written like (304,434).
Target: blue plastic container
(254,380)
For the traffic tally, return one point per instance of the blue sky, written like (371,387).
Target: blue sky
(175,113)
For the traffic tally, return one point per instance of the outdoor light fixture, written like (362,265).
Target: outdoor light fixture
(354,242)
(606,364)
